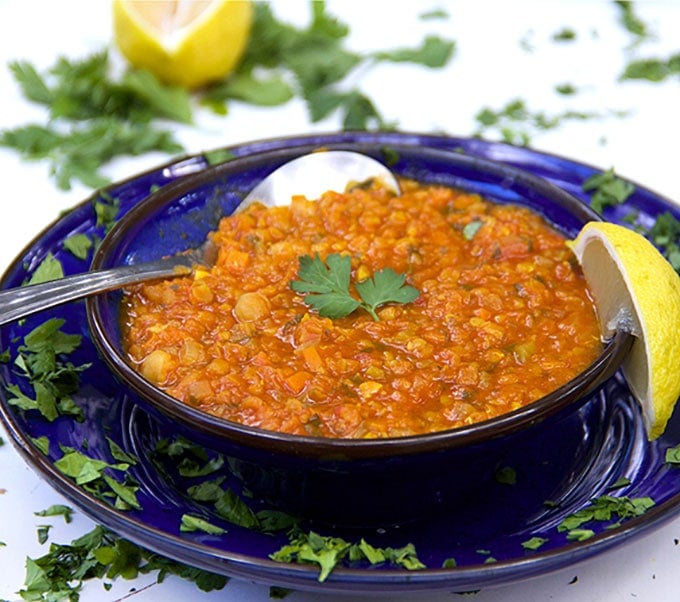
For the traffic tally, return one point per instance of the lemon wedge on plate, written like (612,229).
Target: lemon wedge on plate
(635,289)
(183,42)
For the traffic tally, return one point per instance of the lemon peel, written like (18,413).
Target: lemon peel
(187,43)
(636,290)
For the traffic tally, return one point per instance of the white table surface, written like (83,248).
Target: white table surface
(492,66)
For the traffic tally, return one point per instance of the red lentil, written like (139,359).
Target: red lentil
(503,318)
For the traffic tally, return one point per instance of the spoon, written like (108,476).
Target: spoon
(309,175)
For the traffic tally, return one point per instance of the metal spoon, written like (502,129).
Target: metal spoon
(310,175)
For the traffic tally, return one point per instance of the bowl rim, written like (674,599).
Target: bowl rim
(573,393)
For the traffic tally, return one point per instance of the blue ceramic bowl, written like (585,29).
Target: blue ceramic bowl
(357,482)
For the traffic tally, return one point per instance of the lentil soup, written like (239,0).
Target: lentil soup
(503,317)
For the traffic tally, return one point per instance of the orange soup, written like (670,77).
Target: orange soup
(503,317)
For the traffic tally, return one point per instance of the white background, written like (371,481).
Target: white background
(504,51)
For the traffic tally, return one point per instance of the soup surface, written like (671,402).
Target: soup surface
(503,317)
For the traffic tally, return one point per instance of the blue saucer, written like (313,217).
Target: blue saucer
(485,537)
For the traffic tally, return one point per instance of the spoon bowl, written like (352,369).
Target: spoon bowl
(310,175)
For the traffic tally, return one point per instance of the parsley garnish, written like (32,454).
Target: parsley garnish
(672,456)
(61,573)
(92,475)
(631,22)
(41,360)
(515,122)
(603,508)
(652,69)
(326,287)
(607,190)
(95,116)
(328,552)
(534,543)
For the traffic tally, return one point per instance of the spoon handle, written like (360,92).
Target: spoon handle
(20,302)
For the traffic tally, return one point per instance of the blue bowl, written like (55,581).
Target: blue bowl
(347,481)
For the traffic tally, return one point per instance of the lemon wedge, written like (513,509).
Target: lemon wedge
(183,42)
(635,289)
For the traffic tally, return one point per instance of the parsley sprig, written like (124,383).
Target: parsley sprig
(326,287)
(96,115)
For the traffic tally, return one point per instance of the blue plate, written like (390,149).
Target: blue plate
(485,537)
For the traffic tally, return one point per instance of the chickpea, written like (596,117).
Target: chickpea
(251,307)
(157,366)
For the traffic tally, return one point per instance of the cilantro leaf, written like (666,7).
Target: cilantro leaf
(326,287)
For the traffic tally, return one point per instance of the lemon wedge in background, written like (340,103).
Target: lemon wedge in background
(183,42)
(635,289)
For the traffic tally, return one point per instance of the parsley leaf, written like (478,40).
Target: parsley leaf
(603,508)
(652,69)
(41,361)
(328,552)
(61,573)
(607,190)
(196,523)
(326,287)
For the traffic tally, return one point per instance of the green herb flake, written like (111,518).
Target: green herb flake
(57,510)
(62,572)
(191,523)
(42,443)
(42,361)
(329,552)
(43,533)
(603,509)
(566,34)
(672,456)
(534,543)
(48,269)
(631,22)
(471,228)
(506,475)
(106,210)
(78,245)
(326,287)
(580,534)
(607,190)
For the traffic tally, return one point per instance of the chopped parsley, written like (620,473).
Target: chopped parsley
(534,543)
(326,287)
(672,456)
(604,508)
(652,69)
(99,554)
(631,22)
(607,190)
(94,476)
(515,122)
(329,552)
(42,361)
